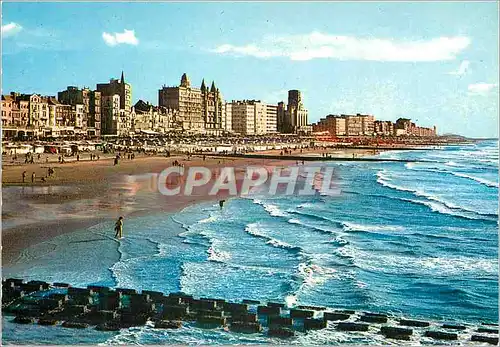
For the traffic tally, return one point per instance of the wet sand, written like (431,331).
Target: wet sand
(83,194)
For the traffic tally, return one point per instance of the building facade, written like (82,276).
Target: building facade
(199,110)
(271,119)
(91,103)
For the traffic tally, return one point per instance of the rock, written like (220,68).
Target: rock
(279,321)
(168,324)
(348,326)
(487,331)
(294,313)
(314,324)
(440,335)
(334,316)
(280,332)
(74,325)
(487,339)
(268,310)
(455,327)
(413,323)
(246,327)
(373,319)
(396,333)
(24,320)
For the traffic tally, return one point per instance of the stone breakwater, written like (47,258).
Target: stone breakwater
(114,309)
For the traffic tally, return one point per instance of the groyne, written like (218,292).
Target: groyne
(309,158)
(104,308)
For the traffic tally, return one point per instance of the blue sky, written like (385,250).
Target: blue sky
(436,63)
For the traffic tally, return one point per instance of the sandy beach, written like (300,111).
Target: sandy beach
(84,193)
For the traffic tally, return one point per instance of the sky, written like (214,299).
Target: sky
(434,62)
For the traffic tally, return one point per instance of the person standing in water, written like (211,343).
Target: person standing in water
(221,203)
(119,228)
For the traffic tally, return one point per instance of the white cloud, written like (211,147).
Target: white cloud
(11,29)
(319,45)
(127,37)
(462,69)
(481,88)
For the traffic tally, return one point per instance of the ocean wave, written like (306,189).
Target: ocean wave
(348,226)
(477,179)
(436,203)
(309,226)
(272,209)
(217,255)
(254,229)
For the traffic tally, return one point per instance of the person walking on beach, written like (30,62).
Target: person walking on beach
(119,228)
(24,176)
(33,177)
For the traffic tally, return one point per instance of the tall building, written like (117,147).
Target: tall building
(110,114)
(334,124)
(384,128)
(227,115)
(120,87)
(91,102)
(199,110)
(295,117)
(271,119)
(281,125)
(253,117)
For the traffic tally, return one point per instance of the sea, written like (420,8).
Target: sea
(415,239)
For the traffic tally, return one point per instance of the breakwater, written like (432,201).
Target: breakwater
(110,309)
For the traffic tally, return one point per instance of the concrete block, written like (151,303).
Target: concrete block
(24,320)
(99,289)
(348,326)
(250,302)
(246,327)
(413,323)
(373,319)
(74,325)
(314,324)
(279,321)
(280,332)
(175,312)
(440,335)
(487,331)
(47,321)
(108,326)
(314,308)
(244,317)
(73,291)
(294,313)
(275,304)
(61,285)
(396,333)
(488,339)
(235,308)
(268,310)
(168,324)
(334,316)
(454,327)
(126,291)
(211,321)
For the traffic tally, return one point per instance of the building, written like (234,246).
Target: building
(334,124)
(199,110)
(227,114)
(271,119)
(110,114)
(281,122)
(253,117)
(119,87)
(405,127)
(91,102)
(147,117)
(296,115)
(384,128)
